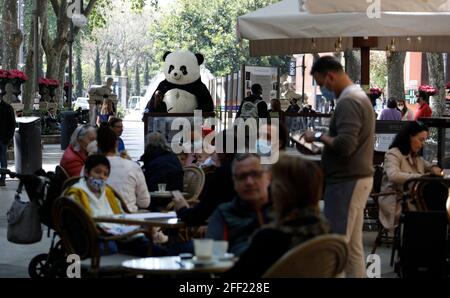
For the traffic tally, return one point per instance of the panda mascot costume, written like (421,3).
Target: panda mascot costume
(183,89)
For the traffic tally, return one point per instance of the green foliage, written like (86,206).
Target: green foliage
(108,67)
(79,76)
(146,74)
(378,69)
(98,75)
(137,83)
(121,112)
(209,27)
(117,71)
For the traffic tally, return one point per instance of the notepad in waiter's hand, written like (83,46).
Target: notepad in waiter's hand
(149,215)
(314,148)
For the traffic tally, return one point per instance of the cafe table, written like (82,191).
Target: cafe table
(148,221)
(176,266)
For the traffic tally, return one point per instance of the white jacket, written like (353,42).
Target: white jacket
(128,180)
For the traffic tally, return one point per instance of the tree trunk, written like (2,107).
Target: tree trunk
(437,80)
(396,84)
(79,75)
(28,95)
(12,35)
(353,65)
(61,76)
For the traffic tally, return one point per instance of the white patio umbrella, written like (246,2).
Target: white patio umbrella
(285,28)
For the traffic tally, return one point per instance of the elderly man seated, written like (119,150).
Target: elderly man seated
(236,221)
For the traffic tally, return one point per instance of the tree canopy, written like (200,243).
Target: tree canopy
(209,27)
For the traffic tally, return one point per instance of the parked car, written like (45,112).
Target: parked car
(82,102)
(134,103)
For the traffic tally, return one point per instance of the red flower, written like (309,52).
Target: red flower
(48,82)
(376,91)
(429,90)
(13,74)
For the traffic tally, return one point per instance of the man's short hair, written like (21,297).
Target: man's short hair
(326,64)
(114,120)
(256,89)
(241,157)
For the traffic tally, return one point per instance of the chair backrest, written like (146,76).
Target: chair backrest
(431,195)
(62,173)
(77,230)
(193,181)
(377,178)
(70,182)
(321,257)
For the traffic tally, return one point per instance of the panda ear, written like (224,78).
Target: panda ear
(165,55)
(200,58)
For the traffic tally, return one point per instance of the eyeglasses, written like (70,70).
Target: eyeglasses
(253,174)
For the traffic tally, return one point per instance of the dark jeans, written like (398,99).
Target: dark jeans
(3,158)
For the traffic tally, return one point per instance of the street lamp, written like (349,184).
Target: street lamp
(69,120)
(77,20)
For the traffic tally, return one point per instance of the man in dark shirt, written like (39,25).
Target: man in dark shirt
(7,128)
(236,221)
(253,106)
(293,107)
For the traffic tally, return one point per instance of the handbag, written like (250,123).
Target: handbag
(24,222)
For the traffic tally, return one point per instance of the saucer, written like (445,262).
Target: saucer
(198,262)
(226,257)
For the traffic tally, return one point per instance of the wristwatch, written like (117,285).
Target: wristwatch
(317,136)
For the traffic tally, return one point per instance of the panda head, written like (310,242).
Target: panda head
(182,67)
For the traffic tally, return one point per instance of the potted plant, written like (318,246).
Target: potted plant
(375,93)
(47,88)
(13,76)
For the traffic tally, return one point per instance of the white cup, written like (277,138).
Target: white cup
(220,248)
(161,187)
(203,249)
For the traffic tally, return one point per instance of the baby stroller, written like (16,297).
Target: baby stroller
(44,188)
(421,239)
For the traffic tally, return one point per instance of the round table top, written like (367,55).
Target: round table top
(164,194)
(174,265)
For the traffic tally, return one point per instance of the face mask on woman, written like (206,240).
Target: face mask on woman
(263,147)
(92,147)
(98,184)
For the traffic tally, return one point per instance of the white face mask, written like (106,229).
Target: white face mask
(92,148)
(263,147)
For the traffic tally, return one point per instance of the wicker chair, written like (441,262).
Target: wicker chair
(321,257)
(81,236)
(193,182)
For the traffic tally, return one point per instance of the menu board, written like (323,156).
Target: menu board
(267,77)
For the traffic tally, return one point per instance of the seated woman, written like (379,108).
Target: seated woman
(126,175)
(82,142)
(296,190)
(98,199)
(161,165)
(402,162)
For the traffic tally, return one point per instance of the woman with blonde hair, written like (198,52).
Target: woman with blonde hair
(106,112)
(296,190)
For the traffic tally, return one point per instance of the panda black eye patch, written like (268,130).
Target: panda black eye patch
(183,70)
(171,68)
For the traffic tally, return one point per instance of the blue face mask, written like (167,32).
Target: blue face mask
(327,93)
(263,147)
(98,184)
